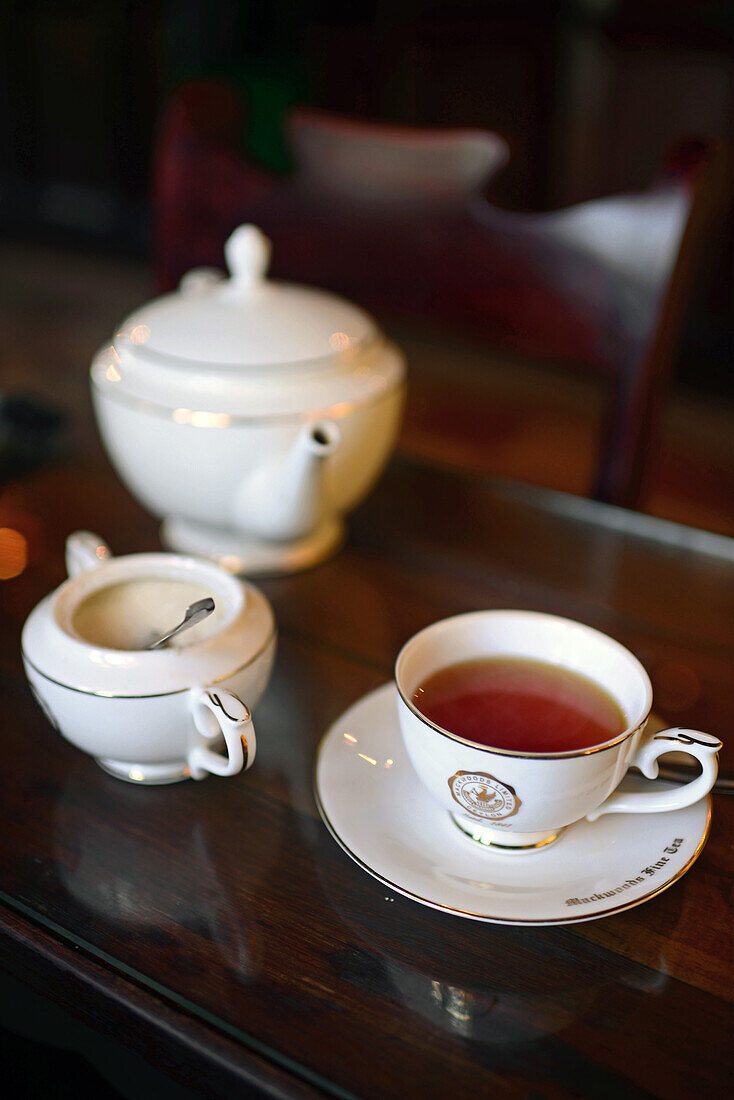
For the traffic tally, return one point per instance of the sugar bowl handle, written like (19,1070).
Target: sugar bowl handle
(217,711)
(703,746)
(84,551)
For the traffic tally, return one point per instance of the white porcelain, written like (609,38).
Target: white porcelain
(153,716)
(379,812)
(251,415)
(521,800)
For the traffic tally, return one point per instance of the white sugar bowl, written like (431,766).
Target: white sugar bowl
(160,715)
(250,415)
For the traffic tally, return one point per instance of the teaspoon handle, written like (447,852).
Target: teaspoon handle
(195,613)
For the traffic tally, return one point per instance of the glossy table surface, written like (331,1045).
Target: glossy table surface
(216,927)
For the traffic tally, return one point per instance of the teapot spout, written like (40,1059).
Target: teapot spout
(287,499)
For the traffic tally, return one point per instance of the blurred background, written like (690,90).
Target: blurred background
(589,95)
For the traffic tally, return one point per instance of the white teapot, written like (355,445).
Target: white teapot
(250,415)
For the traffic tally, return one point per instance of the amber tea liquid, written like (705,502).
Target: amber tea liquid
(519,704)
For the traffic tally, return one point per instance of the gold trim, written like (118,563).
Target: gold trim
(685,739)
(521,755)
(158,694)
(337,411)
(133,773)
(506,847)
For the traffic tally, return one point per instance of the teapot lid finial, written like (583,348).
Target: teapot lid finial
(247,252)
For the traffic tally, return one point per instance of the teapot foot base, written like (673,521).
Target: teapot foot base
(146,775)
(254,557)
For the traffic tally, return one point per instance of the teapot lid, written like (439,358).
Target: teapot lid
(247,320)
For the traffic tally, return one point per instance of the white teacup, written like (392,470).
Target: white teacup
(533,796)
(150,716)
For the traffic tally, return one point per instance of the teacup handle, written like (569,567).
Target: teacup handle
(702,746)
(216,710)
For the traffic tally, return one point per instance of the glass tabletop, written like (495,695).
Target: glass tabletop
(229,899)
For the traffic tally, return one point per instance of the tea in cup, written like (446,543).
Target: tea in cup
(520,723)
(150,715)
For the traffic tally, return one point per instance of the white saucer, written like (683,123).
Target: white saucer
(366,787)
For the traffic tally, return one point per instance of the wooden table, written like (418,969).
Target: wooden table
(218,930)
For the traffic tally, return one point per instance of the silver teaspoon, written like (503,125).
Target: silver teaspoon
(195,613)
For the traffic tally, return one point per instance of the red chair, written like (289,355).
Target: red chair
(397,219)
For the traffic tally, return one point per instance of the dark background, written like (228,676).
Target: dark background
(589,94)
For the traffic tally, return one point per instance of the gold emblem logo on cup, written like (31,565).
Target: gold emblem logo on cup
(484,796)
